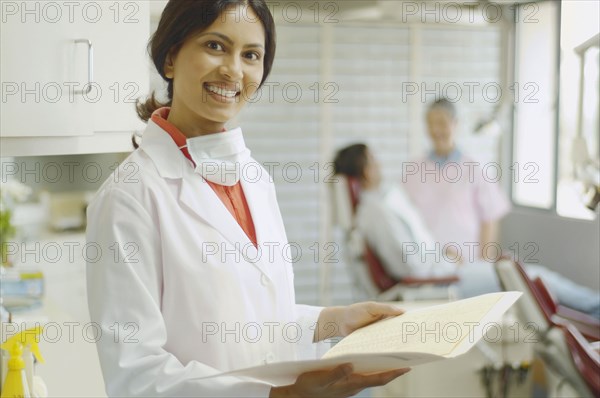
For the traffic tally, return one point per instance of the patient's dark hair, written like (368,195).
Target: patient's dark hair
(444,104)
(183,18)
(351,161)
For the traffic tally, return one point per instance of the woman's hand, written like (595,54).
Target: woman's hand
(341,321)
(338,382)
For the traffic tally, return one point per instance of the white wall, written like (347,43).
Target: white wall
(566,245)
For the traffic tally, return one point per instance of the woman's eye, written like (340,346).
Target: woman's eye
(213,45)
(253,56)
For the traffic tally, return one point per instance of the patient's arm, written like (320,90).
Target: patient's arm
(488,234)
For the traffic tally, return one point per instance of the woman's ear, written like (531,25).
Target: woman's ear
(169,68)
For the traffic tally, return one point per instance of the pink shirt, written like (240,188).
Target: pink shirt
(455,197)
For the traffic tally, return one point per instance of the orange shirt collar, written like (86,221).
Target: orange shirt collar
(159,117)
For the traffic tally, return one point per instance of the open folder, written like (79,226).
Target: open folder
(413,338)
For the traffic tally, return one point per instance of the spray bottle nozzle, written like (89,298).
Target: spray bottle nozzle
(29,337)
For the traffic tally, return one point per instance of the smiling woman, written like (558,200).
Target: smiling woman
(183,279)
(212,53)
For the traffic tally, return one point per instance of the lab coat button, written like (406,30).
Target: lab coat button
(264,280)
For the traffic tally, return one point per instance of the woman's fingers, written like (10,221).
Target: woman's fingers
(338,382)
(391,310)
(374,380)
(337,374)
(357,382)
(324,378)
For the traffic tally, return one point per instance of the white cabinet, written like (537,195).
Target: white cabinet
(121,67)
(71,70)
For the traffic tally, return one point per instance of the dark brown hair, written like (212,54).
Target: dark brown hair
(182,19)
(351,161)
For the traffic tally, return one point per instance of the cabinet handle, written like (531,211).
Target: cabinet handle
(90,66)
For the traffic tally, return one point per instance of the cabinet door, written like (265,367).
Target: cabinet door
(121,69)
(72,68)
(42,68)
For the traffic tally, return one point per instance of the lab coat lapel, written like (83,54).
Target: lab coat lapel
(197,195)
(262,209)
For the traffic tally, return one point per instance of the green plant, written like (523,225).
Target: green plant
(7,231)
(11,193)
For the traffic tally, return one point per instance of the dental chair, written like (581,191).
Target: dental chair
(369,274)
(568,355)
(587,325)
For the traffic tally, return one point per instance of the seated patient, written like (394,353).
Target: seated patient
(397,234)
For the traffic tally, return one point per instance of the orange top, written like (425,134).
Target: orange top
(232,197)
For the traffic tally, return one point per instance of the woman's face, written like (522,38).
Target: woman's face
(441,126)
(218,70)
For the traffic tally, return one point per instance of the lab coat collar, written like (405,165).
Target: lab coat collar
(198,197)
(163,151)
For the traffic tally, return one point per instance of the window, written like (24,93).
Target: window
(535,96)
(578,158)
(556,138)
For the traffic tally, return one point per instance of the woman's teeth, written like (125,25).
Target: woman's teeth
(222,92)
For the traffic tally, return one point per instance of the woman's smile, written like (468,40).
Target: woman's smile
(225,93)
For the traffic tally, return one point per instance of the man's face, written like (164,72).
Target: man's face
(441,126)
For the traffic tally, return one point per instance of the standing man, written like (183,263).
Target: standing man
(460,205)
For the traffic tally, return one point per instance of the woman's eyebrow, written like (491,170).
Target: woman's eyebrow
(228,40)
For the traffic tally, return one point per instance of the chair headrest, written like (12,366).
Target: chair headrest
(354,192)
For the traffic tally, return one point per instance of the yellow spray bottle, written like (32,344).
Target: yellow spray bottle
(15,384)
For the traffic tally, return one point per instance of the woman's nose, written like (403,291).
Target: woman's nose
(232,69)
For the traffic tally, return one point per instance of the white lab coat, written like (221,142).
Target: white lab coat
(176,286)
